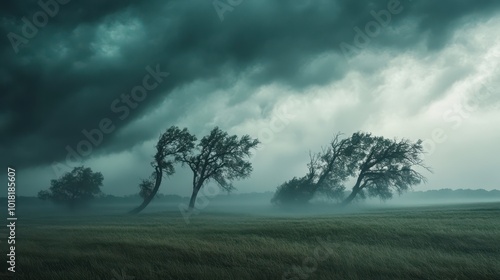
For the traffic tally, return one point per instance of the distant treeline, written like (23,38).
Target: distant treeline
(441,194)
(449,194)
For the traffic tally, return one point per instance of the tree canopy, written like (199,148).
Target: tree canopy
(173,145)
(379,167)
(221,158)
(74,188)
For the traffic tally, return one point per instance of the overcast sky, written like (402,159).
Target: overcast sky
(292,73)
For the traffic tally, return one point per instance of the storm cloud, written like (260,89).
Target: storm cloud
(299,70)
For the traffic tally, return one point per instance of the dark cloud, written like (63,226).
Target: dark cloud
(65,79)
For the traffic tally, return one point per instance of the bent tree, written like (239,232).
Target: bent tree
(172,146)
(221,158)
(327,171)
(385,166)
(378,166)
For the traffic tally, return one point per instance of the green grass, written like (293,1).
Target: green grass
(453,242)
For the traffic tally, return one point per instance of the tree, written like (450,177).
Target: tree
(295,191)
(221,158)
(172,146)
(326,174)
(74,188)
(385,166)
(379,166)
(146,188)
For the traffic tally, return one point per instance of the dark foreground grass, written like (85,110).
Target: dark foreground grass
(454,242)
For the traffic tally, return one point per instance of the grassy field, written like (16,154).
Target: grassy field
(447,242)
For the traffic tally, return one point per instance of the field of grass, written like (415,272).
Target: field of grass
(447,242)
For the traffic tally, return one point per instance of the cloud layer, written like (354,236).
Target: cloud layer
(276,70)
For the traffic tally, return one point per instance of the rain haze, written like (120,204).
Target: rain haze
(289,74)
(98,84)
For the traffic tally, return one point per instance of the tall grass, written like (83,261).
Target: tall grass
(454,242)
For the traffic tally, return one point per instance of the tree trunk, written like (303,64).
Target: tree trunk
(351,196)
(148,199)
(355,190)
(193,198)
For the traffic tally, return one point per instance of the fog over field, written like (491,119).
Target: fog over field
(257,204)
(291,74)
(238,139)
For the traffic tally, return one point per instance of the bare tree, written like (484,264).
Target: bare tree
(172,146)
(379,166)
(327,171)
(221,158)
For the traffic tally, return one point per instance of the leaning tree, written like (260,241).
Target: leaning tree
(221,158)
(379,167)
(172,146)
(74,188)
(327,171)
(386,166)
